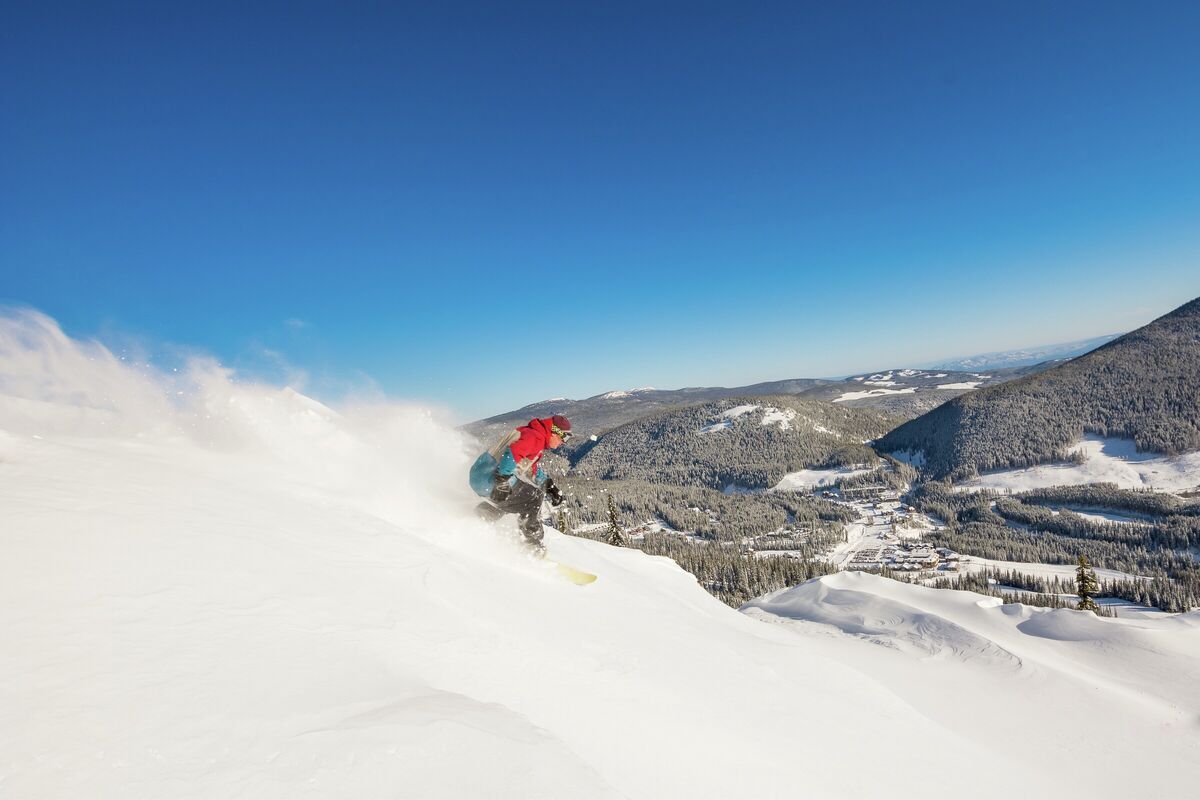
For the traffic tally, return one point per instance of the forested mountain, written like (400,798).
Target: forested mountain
(901,393)
(1142,386)
(595,415)
(908,393)
(750,442)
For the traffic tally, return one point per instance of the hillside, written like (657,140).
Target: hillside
(595,415)
(902,393)
(284,603)
(909,393)
(748,442)
(1141,386)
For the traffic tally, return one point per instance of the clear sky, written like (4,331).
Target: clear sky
(486,204)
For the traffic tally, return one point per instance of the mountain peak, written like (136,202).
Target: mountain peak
(1132,388)
(1191,309)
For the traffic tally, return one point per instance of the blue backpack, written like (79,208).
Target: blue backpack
(485,465)
(481,474)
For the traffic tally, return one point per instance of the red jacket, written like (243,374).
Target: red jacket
(531,444)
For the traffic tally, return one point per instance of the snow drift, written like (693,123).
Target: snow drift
(217,589)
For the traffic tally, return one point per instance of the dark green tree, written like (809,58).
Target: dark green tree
(1086,585)
(616,537)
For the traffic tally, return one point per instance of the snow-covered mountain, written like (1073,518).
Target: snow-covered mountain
(1140,387)
(603,412)
(904,392)
(908,392)
(211,589)
(747,441)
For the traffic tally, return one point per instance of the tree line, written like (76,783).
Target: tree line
(708,513)
(1161,548)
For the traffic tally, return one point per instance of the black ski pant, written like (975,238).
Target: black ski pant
(525,500)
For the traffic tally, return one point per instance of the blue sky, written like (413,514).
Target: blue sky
(483,205)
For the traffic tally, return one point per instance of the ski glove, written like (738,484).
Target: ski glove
(554,493)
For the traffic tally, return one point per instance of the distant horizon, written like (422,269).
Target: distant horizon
(166,356)
(927,367)
(468,205)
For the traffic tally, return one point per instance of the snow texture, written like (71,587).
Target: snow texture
(1109,460)
(910,457)
(809,478)
(872,393)
(783,417)
(960,658)
(622,393)
(738,411)
(216,589)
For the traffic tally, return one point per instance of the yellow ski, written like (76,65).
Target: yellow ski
(575,576)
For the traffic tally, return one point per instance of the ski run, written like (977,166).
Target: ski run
(217,590)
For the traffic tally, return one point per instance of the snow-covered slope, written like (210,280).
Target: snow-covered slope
(237,592)
(1106,460)
(1046,685)
(907,393)
(750,442)
(1141,387)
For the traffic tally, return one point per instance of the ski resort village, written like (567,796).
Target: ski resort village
(886,536)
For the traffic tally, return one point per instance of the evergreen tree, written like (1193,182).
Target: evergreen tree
(562,522)
(1086,585)
(616,537)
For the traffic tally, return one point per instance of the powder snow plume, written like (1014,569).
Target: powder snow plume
(211,588)
(375,456)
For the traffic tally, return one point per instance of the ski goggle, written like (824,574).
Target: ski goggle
(560,433)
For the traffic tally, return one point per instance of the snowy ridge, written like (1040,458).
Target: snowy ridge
(783,417)
(622,393)
(238,592)
(948,651)
(1140,386)
(904,392)
(923,380)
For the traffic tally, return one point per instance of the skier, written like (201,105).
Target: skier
(511,476)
